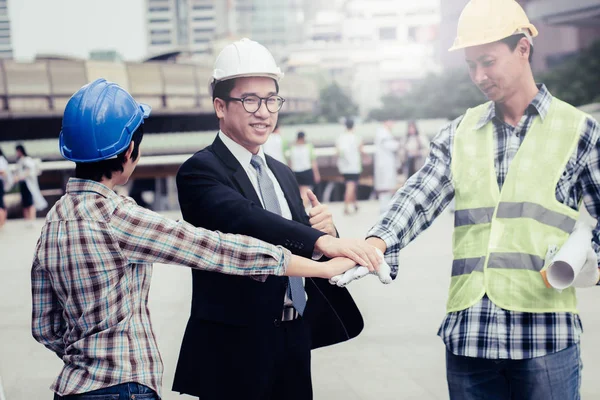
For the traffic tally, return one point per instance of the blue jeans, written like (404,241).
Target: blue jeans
(124,391)
(552,377)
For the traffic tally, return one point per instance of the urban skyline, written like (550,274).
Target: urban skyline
(5,32)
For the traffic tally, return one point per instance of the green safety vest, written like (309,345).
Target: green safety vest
(501,237)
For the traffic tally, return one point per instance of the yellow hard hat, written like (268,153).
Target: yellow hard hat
(487,21)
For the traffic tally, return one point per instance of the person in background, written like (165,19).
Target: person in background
(275,145)
(92,266)
(414,148)
(4,186)
(349,149)
(27,176)
(386,164)
(304,164)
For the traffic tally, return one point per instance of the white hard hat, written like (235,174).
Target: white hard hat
(244,58)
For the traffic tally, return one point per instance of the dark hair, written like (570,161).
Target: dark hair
(300,135)
(412,123)
(20,148)
(1,153)
(222,89)
(349,123)
(513,41)
(95,171)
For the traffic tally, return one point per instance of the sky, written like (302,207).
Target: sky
(75,27)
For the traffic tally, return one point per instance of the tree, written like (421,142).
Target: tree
(437,96)
(576,81)
(335,103)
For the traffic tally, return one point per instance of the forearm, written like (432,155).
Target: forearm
(377,242)
(146,237)
(300,266)
(237,254)
(589,180)
(233,213)
(416,206)
(418,203)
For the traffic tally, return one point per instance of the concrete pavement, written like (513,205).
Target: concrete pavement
(398,356)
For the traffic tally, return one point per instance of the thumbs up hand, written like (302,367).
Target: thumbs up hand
(320,216)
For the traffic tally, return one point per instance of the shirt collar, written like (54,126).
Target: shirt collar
(539,105)
(239,152)
(76,185)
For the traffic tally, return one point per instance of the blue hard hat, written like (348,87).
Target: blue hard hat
(99,121)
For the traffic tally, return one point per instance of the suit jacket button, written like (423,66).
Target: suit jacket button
(277,322)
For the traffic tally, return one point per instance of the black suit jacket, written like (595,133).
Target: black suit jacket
(215,193)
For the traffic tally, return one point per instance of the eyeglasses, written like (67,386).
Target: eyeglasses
(252,103)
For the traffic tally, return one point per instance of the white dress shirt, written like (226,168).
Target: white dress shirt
(244,157)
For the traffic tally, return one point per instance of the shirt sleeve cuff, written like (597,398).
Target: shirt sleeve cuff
(387,236)
(392,250)
(281,268)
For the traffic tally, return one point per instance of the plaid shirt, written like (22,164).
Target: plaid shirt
(91,276)
(485,330)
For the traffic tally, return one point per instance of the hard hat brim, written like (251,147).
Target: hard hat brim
(146,110)
(275,76)
(458,44)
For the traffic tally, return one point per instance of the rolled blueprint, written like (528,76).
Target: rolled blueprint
(571,258)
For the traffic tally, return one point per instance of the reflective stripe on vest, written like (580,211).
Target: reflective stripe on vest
(537,212)
(515,210)
(473,216)
(501,238)
(498,260)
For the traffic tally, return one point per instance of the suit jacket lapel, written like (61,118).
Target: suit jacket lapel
(238,173)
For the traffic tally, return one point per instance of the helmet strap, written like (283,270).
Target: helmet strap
(526,32)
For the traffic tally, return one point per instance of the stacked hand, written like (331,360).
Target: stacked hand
(355,256)
(384,273)
(357,250)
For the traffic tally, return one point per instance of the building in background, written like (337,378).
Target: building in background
(197,27)
(273,23)
(372,48)
(565,28)
(6,50)
(189,26)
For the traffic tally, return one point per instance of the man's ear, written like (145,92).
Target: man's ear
(219,105)
(129,151)
(524,47)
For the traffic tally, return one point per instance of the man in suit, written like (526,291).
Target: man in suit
(245,338)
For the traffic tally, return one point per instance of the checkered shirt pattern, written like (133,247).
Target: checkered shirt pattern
(91,276)
(485,330)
